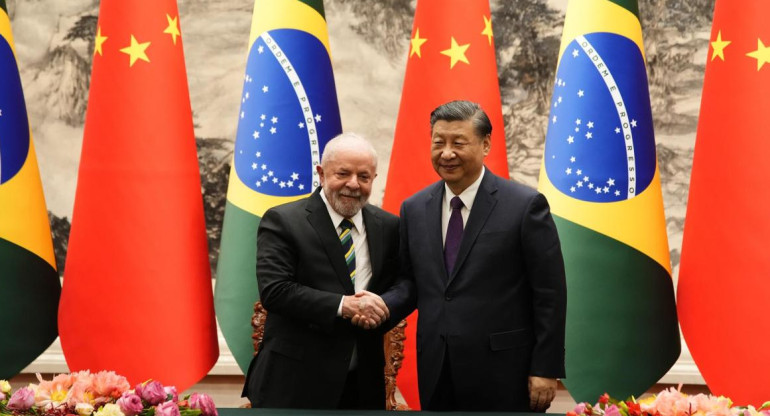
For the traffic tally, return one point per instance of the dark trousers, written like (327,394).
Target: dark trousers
(444,395)
(350,396)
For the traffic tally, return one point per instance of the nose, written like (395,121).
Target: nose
(353,182)
(447,153)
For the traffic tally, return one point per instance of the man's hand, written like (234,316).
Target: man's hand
(541,392)
(365,309)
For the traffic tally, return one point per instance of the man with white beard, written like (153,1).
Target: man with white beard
(320,261)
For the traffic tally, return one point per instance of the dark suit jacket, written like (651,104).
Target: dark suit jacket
(500,315)
(301,272)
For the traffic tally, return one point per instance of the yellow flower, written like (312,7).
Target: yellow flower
(59,395)
(647,400)
(109,409)
(5,386)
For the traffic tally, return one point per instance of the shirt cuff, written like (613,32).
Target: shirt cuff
(339,308)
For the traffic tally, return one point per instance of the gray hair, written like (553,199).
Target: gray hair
(346,141)
(462,111)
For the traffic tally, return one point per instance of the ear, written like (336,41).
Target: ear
(487,144)
(320,171)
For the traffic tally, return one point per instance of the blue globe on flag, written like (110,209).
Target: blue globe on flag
(14,128)
(283,129)
(600,145)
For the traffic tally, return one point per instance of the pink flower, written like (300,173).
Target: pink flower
(54,392)
(151,391)
(130,404)
(81,390)
(580,408)
(204,403)
(23,399)
(701,403)
(167,409)
(2,395)
(612,410)
(107,384)
(61,382)
(171,390)
(671,402)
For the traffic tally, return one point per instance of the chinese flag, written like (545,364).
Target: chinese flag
(451,57)
(137,295)
(723,279)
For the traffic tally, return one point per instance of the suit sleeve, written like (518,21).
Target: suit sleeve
(279,288)
(545,271)
(401,298)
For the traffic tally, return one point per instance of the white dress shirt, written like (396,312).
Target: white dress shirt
(360,246)
(467,196)
(363,265)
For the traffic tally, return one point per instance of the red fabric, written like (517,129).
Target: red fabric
(430,82)
(137,295)
(725,266)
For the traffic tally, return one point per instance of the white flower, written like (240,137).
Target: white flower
(109,409)
(85,409)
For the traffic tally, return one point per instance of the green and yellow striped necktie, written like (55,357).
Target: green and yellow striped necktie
(347,246)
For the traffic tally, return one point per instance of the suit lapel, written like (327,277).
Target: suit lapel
(318,217)
(482,207)
(435,233)
(374,237)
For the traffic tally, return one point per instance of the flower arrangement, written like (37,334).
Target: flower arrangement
(669,402)
(100,394)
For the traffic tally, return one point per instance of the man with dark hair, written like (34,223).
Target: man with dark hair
(320,261)
(462,111)
(482,263)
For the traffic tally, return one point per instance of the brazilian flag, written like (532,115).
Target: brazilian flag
(288,113)
(29,283)
(600,176)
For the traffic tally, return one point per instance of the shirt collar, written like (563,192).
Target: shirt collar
(357,220)
(468,195)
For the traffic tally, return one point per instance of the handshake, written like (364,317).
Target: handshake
(365,309)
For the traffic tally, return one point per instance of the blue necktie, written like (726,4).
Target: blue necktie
(454,234)
(347,246)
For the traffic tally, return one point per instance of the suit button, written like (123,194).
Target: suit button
(448,298)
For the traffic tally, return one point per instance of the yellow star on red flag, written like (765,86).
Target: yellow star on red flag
(488,30)
(719,46)
(99,41)
(456,53)
(136,51)
(173,28)
(762,54)
(417,43)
